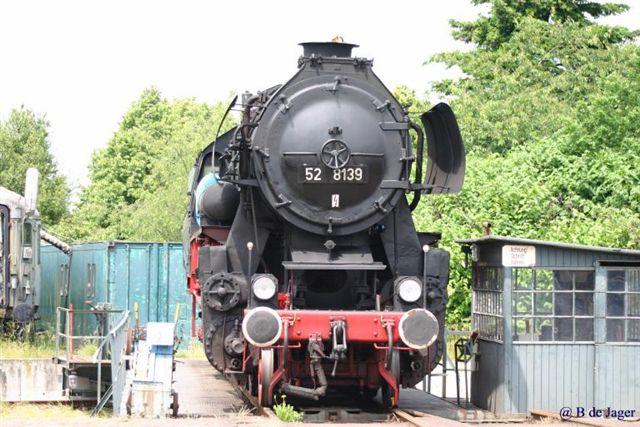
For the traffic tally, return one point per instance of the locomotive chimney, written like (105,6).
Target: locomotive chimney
(328,49)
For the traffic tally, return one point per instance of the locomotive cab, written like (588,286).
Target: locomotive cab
(302,253)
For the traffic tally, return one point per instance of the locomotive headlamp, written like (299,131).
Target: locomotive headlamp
(409,289)
(264,286)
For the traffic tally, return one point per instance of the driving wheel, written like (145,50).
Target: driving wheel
(265,374)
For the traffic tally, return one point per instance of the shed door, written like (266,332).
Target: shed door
(617,335)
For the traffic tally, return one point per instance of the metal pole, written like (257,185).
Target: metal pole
(70,333)
(455,366)
(466,381)
(445,359)
(250,249)
(425,249)
(176,316)
(57,331)
(193,315)
(100,375)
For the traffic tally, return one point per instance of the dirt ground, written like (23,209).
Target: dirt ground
(48,415)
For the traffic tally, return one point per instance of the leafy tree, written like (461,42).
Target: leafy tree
(505,15)
(171,169)
(23,144)
(550,120)
(412,103)
(138,181)
(525,89)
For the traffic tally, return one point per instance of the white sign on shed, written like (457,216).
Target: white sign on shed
(518,256)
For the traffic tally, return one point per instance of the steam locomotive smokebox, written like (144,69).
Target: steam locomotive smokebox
(220,201)
(337,151)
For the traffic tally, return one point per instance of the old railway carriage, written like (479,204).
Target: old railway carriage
(19,256)
(302,255)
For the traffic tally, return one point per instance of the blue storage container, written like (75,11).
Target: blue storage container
(120,273)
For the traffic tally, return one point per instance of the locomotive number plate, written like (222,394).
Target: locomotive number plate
(318,175)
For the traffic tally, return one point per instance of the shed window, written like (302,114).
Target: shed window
(523,278)
(623,305)
(552,305)
(487,302)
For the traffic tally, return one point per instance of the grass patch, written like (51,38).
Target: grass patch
(36,347)
(286,412)
(40,411)
(88,349)
(194,350)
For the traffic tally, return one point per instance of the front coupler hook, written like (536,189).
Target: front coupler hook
(339,350)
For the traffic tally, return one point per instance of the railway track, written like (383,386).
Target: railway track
(359,410)
(206,393)
(355,415)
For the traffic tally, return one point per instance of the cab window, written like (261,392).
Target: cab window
(205,166)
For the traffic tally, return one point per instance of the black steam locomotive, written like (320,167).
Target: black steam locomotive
(302,254)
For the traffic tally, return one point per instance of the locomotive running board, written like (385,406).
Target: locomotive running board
(445,171)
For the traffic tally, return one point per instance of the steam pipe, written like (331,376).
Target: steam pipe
(387,363)
(245,134)
(285,344)
(316,354)
(54,241)
(309,393)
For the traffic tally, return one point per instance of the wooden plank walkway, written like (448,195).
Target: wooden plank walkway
(412,399)
(204,392)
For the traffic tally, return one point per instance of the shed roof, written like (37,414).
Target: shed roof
(562,245)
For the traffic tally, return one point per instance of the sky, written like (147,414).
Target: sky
(82,63)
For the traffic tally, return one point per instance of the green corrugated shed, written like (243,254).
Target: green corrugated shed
(121,273)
